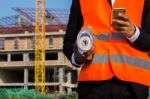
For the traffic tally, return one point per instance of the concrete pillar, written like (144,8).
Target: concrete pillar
(61,58)
(61,80)
(69,81)
(9,57)
(25,57)
(26,40)
(26,72)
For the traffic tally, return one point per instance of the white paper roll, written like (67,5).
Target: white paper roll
(84,41)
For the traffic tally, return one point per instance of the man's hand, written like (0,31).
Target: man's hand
(123,25)
(79,58)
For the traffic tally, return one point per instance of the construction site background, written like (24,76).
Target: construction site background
(17,56)
(17,46)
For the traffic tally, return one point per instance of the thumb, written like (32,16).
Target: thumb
(90,56)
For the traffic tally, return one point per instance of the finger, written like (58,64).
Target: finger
(123,17)
(124,29)
(88,53)
(120,29)
(90,56)
(120,22)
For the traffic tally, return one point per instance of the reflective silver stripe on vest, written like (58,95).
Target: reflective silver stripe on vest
(105,36)
(117,36)
(131,61)
(104,58)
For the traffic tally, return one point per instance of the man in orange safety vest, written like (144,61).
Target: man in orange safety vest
(117,66)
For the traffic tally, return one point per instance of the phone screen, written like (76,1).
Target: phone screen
(116,12)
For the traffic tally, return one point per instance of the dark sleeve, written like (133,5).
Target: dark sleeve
(143,41)
(73,27)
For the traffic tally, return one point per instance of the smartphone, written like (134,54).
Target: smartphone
(116,12)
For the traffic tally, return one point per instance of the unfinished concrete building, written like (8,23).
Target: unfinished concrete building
(17,51)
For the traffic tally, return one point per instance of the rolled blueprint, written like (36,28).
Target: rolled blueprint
(84,40)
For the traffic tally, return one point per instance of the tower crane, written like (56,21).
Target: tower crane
(40,46)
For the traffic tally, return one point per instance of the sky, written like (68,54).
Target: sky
(7,5)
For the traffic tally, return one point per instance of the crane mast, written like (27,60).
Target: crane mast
(40,46)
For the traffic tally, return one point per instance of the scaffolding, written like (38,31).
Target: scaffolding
(56,19)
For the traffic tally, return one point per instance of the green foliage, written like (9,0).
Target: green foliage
(20,93)
(65,96)
(69,96)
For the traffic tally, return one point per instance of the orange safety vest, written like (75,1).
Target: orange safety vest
(113,55)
